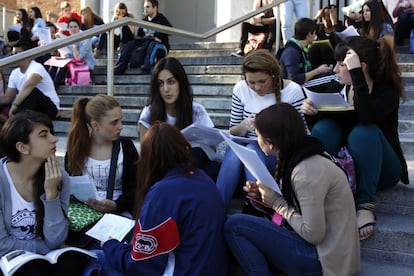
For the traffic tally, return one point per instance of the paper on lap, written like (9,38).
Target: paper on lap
(253,163)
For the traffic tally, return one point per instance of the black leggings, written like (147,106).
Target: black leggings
(39,102)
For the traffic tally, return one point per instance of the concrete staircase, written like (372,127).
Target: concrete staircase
(212,73)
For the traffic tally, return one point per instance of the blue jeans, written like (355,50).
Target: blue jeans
(257,242)
(105,269)
(298,7)
(231,170)
(377,166)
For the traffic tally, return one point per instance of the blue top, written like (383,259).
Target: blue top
(180,230)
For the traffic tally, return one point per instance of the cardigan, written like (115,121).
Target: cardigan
(55,223)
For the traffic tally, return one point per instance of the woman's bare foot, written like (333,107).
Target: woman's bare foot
(366,221)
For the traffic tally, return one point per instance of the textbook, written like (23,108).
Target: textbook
(209,138)
(111,225)
(328,101)
(322,42)
(14,260)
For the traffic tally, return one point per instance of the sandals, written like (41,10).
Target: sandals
(366,225)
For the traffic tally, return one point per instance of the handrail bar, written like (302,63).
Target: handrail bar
(59,43)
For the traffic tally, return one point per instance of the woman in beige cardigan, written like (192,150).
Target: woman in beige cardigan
(316,202)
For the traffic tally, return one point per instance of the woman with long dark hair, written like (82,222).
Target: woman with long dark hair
(375,89)
(179,212)
(316,202)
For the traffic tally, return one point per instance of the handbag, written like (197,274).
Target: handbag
(347,163)
(255,207)
(82,217)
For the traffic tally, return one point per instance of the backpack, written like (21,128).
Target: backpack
(255,42)
(158,51)
(412,41)
(79,73)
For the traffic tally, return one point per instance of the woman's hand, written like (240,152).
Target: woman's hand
(268,195)
(248,123)
(351,60)
(308,108)
(104,205)
(53,177)
(252,189)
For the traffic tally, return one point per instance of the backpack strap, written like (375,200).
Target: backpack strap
(112,170)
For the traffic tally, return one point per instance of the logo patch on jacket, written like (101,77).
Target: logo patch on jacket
(159,240)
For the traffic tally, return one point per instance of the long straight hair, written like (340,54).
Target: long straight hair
(378,56)
(184,102)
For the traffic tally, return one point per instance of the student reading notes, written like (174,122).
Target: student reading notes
(316,202)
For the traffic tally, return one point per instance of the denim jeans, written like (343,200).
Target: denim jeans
(377,166)
(257,243)
(298,7)
(105,269)
(231,171)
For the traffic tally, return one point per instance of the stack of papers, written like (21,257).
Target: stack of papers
(328,101)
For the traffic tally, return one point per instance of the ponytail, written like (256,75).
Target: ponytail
(79,142)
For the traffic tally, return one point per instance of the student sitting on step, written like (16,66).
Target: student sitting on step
(34,190)
(262,86)
(371,131)
(96,126)
(266,23)
(294,58)
(149,46)
(180,215)
(320,235)
(171,101)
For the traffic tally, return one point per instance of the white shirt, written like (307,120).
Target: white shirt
(99,172)
(23,220)
(45,85)
(200,116)
(246,101)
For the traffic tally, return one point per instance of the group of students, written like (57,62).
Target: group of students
(179,197)
(167,192)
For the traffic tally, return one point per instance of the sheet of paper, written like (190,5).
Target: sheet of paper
(44,35)
(252,162)
(326,100)
(349,31)
(111,225)
(61,26)
(197,134)
(82,187)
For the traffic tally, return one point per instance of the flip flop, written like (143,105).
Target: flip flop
(372,223)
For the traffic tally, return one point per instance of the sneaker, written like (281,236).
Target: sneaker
(238,53)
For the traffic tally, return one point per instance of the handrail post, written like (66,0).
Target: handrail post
(4,22)
(276,12)
(110,68)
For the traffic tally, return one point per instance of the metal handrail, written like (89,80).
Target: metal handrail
(59,43)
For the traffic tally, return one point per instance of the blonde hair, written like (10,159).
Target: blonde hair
(64,5)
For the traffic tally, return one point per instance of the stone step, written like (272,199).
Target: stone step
(394,234)
(399,199)
(380,263)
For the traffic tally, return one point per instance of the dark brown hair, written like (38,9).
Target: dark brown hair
(162,149)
